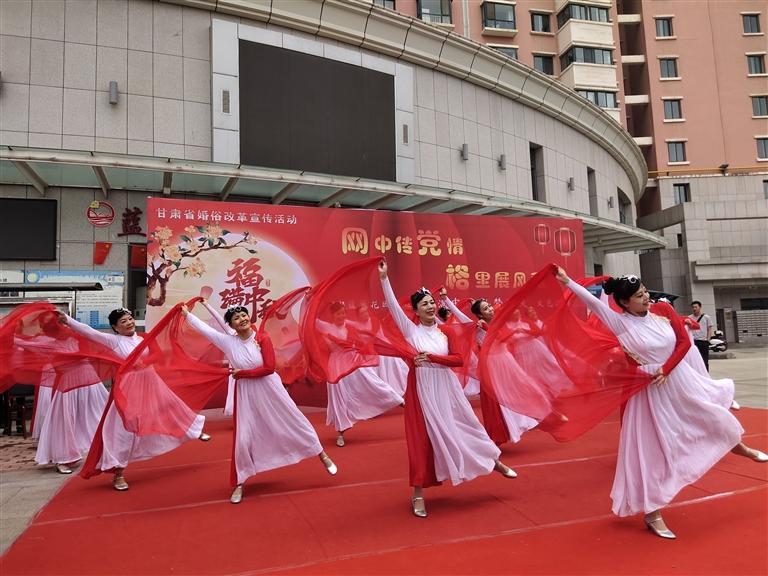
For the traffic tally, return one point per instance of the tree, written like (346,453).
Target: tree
(167,257)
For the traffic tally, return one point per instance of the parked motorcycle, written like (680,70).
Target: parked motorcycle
(717,343)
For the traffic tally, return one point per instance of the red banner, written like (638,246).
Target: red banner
(251,254)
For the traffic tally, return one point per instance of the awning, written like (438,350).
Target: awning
(43,168)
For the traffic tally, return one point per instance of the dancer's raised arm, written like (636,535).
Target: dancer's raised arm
(404,323)
(602,310)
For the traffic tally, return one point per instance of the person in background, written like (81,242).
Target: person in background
(702,336)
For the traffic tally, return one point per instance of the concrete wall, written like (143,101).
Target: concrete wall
(57,58)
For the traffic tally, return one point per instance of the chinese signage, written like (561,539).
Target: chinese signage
(251,254)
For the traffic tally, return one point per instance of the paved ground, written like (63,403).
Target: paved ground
(26,488)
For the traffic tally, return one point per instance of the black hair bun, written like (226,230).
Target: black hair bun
(610,285)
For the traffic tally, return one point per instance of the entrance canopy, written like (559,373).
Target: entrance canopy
(42,168)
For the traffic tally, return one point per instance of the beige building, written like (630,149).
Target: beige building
(688,79)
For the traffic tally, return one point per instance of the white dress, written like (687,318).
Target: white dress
(67,417)
(357,396)
(43,400)
(270,431)
(119,445)
(671,433)
(462,448)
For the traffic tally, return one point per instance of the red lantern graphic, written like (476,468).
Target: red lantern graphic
(541,234)
(565,241)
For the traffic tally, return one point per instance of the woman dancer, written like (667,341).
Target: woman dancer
(359,395)
(654,463)
(270,431)
(121,446)
(74,410)
(460,448)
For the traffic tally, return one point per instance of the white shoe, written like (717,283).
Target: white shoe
(204,437)
(329,465)
(340,441)
(661,532)
(759,456)
(237,494)
(735,405)
(63,469)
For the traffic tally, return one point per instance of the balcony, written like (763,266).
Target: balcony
(603,3)
(642,141)
(631,59)
(629,18)
(507,32)
(636,99)
(595,76)
(585,33)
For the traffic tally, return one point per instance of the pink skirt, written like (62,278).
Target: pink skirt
(71,423)
(359,396)
(461,446)
(271,431)
(671,435)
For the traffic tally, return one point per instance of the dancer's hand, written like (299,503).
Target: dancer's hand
(383,269)
(483,325)
(234,371)
(443,292)
(420,358)
(659,378)
(61,317)
(185,310)
(561,275)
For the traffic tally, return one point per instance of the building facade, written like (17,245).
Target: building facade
(110,100)
(688,79)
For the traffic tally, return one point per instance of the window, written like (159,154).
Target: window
(586,54)
(544,64)
(537,172)
(434,11)
(581,12)
(540,22)
(673,109)
(625,207)
(751,23)
(668,67)
(762,148)
(509,51)
(499,16)
(385,3)
(600,98)
(756,63)
(759,105)
(679,238)
(682,193)
(754,303)
(664,27)
(765,189)
(676,151)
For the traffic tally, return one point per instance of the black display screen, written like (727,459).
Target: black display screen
(28,229)
(304,112)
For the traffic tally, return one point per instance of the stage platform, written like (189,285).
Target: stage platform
(553,519)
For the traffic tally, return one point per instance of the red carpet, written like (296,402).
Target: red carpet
(553,519)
